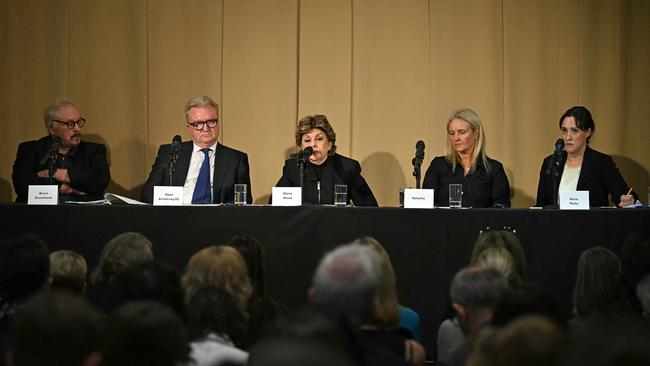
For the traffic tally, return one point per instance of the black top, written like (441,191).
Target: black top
(230,168)
(86,164)
(481,187)
(598,175)
(337,169)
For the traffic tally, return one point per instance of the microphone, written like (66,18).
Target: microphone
(176,143)
(417,161)
(419,150)
(303,154)
(51,150)
(559,146)
(556,159)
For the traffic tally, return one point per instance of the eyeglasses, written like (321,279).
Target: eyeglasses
(70,124)
(212,123)
(489,228)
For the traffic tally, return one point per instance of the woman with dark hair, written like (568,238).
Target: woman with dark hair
(582,168)
(262,309)
(598,282)
(325,167)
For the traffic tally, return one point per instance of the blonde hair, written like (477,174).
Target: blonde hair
(478,156)
(68,264)
(386,311)
(120,252)
(200,102)
(499,259)
(218,266)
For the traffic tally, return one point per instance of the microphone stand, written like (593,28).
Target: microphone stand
(172,165)
(301,170)
(417,165)
(553,170)
(52,166)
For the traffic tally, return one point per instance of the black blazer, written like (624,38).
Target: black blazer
(481,188)
(338,169)
(86,164)
(598,175)
(230,168)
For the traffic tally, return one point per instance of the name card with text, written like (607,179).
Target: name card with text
(286,196)
(167,196)
(43,195)
(574,200)
(418,198)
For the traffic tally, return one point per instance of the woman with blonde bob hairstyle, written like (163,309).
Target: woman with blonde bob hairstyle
(484,181)
(218,266)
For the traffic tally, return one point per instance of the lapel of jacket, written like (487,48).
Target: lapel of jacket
(585,171)
(221,169)
(183,163)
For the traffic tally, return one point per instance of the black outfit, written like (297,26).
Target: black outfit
(230,168)
(598,175)
(336,169)
(86,164)
(481,187)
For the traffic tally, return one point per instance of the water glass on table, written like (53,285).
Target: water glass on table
(340,194)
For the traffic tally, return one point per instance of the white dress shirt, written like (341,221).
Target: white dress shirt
(193,172)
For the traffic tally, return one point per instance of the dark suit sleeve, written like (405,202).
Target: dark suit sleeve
(614,181)
(25,169)
(361,194)
(431,180)
(243,176)
(500,187)
(156,177)
(543,198)
(285,179)
(92,174)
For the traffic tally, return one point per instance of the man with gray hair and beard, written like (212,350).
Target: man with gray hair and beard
(79,168)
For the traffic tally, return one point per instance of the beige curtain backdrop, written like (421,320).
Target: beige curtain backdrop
(386,72)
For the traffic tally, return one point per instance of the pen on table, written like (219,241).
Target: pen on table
(628,192)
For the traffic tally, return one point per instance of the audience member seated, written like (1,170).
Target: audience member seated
(120,252)
(217,327)
(262,309)
(145,281)
(643,294)
(635,263)
(598,291)
(57,329)
(528,298)
(69,271)
(345,288)
(24,270)
(383,329)
(507,239)
(475,293)
(145,334)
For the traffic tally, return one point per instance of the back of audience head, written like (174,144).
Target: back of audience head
(386,310)
(145,333)
(69,271)
(346,282)
(251,250)
(499,259)
(57,329)
(507,239)
(643,294)
(24,267)
(215,310)
(635,262)
(218,266)
(120,252)
(598,282)
(146,281)
(475,292)
(527,298)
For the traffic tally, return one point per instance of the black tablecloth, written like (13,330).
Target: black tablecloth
(427,247)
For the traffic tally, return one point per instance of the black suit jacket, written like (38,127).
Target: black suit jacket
(230,168)
(86,164)
(598,175)
(481,188)
(338,169)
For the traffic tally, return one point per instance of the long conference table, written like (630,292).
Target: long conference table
(427,247)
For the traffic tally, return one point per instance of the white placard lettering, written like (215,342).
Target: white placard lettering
(574,200)
(43,195)
(286,196)
(418,198)
(167,196)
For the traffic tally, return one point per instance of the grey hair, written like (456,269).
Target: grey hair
(200,102)
(52,112)
(478,288)
(643,293)
(346,281)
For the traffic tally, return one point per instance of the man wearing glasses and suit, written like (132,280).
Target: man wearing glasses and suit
(79,168)
(206,169)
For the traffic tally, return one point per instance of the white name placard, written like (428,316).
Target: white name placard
(574,200)
(418,198)
(167,196)
(286,196)
(43,195)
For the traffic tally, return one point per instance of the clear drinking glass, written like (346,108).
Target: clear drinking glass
(455,195)
(340,194)
(240,194)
